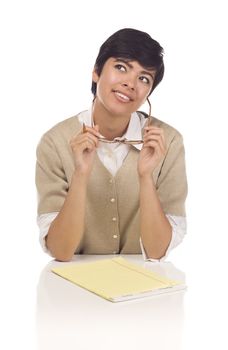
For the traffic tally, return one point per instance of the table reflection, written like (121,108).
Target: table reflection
(71,317)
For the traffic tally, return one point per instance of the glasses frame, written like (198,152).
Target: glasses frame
(125,141)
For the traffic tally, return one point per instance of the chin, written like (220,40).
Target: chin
(120,110)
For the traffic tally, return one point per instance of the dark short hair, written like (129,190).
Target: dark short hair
(135,45)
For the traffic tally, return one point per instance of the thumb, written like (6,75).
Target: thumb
(96,127)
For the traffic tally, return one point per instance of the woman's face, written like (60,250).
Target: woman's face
(123,85)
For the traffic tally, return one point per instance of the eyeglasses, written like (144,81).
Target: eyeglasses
(123,141)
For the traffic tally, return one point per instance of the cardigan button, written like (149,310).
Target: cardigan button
(114,219)
(114,236)
(112,200)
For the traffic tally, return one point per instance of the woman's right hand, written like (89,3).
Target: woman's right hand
(84,146)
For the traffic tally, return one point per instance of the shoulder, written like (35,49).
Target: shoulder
(61,133)
(170,132)
(56,140)
(66,128)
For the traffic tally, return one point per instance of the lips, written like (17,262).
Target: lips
(122,96)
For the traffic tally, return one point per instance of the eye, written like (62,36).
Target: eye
(144,79)
(120,67)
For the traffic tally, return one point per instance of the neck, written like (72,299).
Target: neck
(110,125)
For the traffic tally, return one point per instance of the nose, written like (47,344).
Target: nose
(130,84)
(127,85)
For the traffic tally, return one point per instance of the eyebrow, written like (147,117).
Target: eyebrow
(130,66)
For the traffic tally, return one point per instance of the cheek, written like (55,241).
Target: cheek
(143,90)
(111,79)
(143,93)
(106,83)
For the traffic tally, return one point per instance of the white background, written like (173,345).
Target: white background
(48,49)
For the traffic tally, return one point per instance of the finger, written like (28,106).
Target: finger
(83,137)
(81,147)
(155,148)
(158,132)
(156,144)
(83,128)
(96,127)
(152,128)
(155,130)
(84,142)
(157,138)
(87,143)
(149,122)
(92,138)
(93,131)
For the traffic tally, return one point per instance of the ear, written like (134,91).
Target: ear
(95,76)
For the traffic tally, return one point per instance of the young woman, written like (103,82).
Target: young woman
(112,180)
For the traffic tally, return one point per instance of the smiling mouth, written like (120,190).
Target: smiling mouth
(122,97)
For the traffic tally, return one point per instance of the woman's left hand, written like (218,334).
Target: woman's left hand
(154,149)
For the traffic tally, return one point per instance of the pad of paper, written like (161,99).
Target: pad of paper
(116,279)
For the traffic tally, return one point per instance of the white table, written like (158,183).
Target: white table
(70,317)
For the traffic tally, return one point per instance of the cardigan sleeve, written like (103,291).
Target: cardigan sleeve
(51,181)
(172,181)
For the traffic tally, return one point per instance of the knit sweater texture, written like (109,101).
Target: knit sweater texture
(112,216)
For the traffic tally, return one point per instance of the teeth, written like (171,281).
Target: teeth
(122,96)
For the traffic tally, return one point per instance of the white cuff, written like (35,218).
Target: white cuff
(44,221)
(179,227)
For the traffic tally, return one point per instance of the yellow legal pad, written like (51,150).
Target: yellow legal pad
(117,279)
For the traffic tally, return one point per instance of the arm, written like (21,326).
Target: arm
(66,230)
(156,231)
(168,197)
(179,225)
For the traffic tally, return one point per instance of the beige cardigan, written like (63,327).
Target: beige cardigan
(112,209)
